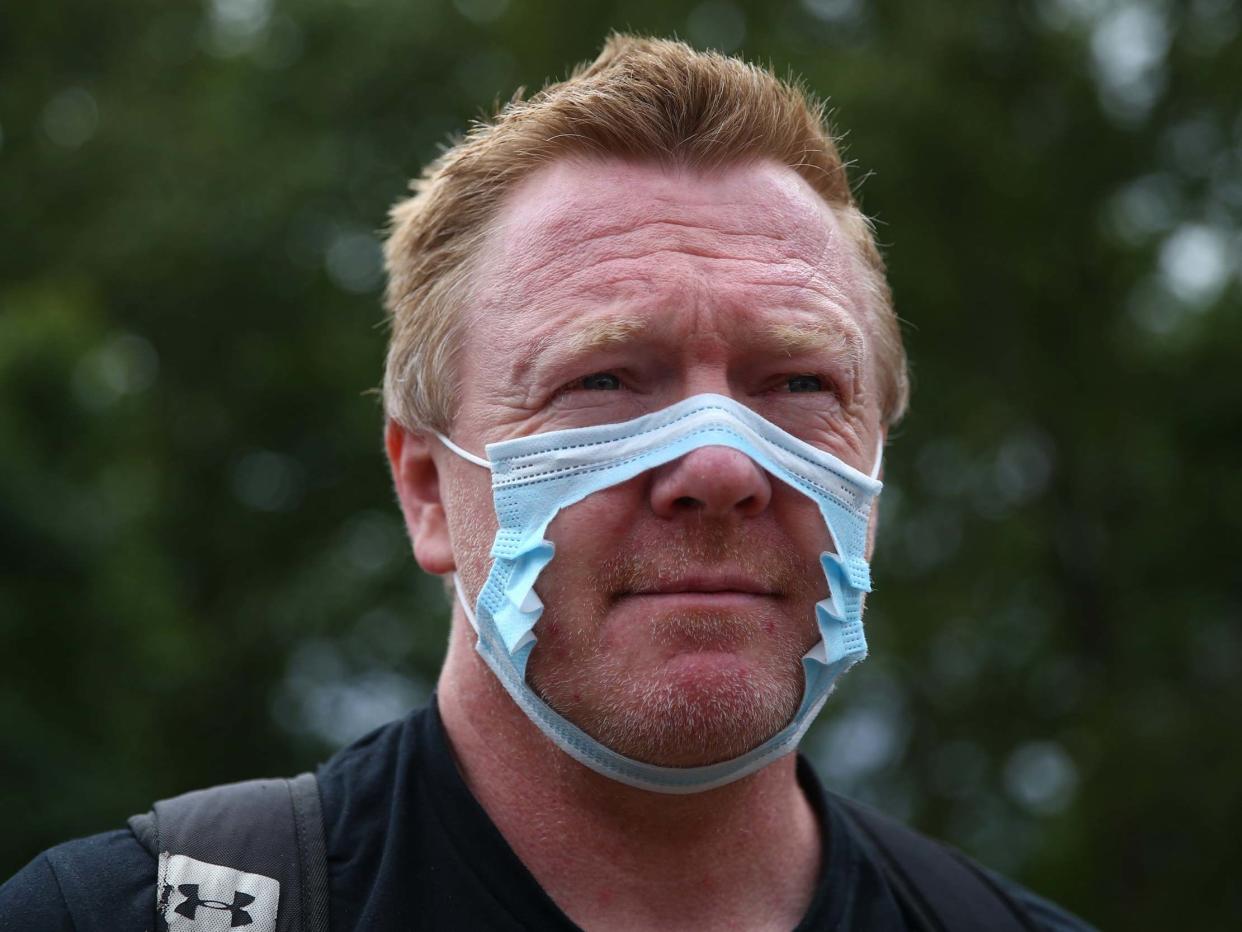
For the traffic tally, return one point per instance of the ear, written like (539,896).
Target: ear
(417,481)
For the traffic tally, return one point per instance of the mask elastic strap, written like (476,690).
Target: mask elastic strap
(465,603)
(464,454)
(879,457)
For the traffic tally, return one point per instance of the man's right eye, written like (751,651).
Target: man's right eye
(600,382)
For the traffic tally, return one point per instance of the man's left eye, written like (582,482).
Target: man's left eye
(600,382)
(805,383)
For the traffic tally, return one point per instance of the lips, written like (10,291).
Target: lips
(704,584)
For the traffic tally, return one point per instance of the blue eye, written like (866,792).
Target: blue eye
(600,382)
(805,383)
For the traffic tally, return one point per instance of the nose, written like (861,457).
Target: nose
(711,482)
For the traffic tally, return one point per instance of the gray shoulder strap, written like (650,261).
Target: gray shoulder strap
(249,855)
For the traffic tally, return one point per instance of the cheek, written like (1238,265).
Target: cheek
(552,645)
(586,535)
(591,530)
(801,521)
(472,526)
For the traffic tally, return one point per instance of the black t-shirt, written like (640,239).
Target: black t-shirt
(409,848)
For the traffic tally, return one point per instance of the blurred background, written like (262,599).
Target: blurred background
(204,578)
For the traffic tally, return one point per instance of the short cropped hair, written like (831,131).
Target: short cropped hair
(641,99)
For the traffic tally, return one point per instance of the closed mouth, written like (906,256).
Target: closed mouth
(709,585)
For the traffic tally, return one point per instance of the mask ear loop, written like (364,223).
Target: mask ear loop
(461,592)
(465,603)
(464,454)
(879,457)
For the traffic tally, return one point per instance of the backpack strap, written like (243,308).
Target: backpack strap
(943,890)
(244,855)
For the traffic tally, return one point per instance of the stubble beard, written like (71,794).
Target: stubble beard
(672,720)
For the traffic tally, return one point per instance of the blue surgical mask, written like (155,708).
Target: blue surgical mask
(534,477)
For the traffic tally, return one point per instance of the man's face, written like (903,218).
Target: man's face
(679,604)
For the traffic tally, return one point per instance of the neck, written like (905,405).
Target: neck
(612,856)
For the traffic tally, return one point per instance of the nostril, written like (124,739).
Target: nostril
(690,503)
(710,481)
(749,506)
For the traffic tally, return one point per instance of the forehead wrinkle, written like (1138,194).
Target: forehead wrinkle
(632,199)
(841,267)
(565,281)
(657,224)
(564,328)
(730,271)
(544,238)
(583,262)
(595,228)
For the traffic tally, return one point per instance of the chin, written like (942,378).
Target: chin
(695,710)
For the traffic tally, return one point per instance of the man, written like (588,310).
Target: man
(642,365)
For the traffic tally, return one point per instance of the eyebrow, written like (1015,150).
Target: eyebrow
(833,335)
(590,336)
(829,334)
(598,334)
(826,334)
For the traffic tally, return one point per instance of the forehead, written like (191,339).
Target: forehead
(580,204)
(581,235)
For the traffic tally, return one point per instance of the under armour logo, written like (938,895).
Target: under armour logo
(189,907)
(198,896)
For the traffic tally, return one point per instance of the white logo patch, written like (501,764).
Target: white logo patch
(199,897)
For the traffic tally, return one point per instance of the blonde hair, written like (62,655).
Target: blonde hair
(650,99)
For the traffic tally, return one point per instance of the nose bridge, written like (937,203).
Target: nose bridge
(706,379)
(711,481)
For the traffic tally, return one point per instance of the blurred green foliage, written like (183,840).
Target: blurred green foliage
(203,576)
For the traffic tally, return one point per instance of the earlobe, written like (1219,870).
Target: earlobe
(416,479)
